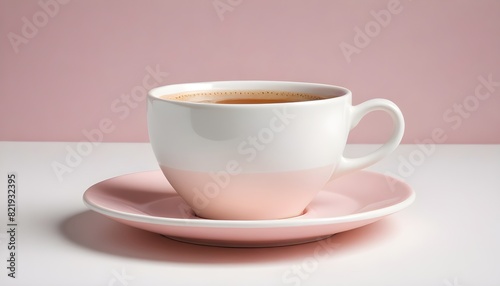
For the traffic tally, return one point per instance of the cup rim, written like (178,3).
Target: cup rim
(319,89)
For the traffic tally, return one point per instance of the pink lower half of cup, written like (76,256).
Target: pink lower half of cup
(248,196)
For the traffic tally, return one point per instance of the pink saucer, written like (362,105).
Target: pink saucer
(146,200)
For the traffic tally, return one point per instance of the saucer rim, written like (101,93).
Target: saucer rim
(288,222)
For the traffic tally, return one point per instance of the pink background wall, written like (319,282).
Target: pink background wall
(66,67)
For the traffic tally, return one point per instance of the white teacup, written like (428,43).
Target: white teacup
(245,160)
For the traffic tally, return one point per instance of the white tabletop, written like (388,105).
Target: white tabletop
(450,236)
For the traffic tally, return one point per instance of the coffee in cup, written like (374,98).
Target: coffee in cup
(242,97)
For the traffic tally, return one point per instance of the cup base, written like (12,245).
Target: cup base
(250,219)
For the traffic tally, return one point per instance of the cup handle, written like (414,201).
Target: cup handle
(347,165)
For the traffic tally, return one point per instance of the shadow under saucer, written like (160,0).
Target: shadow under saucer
(93,231)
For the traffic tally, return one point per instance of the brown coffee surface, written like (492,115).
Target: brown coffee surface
(254,100)
(242,97)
